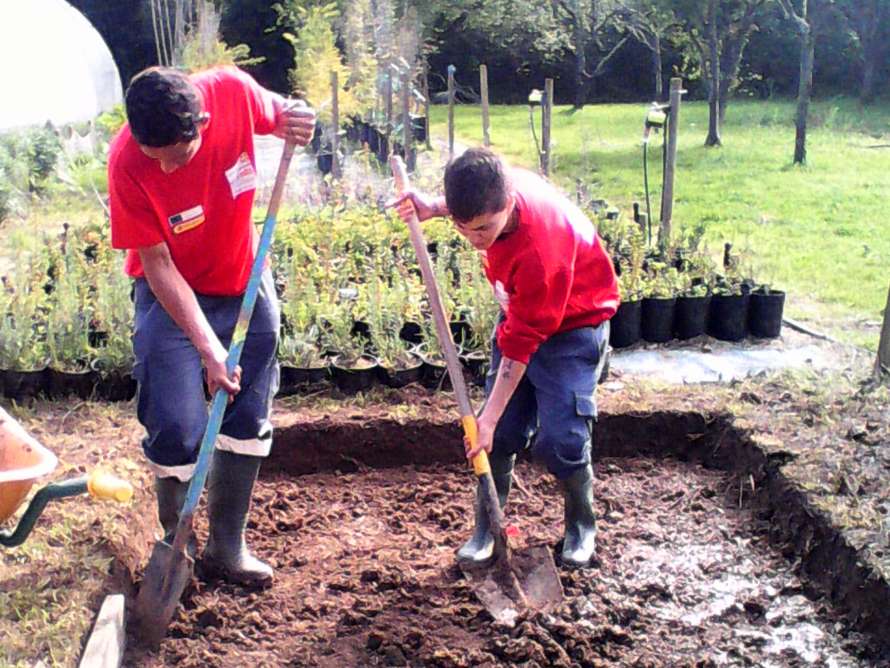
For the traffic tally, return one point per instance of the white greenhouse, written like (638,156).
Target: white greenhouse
(54,66)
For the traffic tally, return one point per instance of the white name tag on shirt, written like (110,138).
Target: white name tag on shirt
(241,176)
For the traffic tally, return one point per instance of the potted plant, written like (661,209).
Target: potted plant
(23,354)
(694,298)
(302,361)
(113,312)
(352,368)
(660,289)
(625,324)
(68,338)
(728,315)
(399,365)
(765,310)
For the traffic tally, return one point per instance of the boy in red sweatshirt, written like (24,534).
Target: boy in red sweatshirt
(557,290)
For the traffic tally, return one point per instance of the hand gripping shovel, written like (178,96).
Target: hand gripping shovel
(170,568)
(511,582)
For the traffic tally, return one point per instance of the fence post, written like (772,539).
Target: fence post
(335,126)
(426,103)
(882,363)
(387,107)
(407,130)
(546,118)
(483,87)
(670,167)
(451,70)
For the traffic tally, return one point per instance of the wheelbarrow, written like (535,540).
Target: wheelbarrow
(22,461)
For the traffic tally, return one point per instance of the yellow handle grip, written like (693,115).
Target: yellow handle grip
(103,485)
(480,461)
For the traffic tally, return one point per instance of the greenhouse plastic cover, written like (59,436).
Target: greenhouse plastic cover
(54,66)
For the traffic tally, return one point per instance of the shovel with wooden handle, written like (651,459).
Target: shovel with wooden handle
(510,583)
(170,567)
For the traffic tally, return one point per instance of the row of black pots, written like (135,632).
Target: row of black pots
(354,379)
(54,384)
(725,317)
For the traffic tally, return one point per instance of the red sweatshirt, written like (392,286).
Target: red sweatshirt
(202,210)
(551,274)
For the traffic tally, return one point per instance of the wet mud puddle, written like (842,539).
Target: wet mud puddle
(366,577)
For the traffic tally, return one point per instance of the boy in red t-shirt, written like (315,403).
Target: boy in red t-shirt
(557,289)
(181,180)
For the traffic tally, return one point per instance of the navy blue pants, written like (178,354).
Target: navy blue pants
(171,402)
(554,406)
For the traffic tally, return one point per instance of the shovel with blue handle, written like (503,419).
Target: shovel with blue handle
(170,567)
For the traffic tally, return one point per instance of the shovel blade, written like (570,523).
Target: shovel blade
(168,573)
(528,580)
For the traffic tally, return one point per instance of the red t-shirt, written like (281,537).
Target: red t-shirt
(203,209)
(551,274)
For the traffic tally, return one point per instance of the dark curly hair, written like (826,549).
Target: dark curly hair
(475,184)
(163,107)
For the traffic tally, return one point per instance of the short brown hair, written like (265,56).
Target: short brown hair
(475,184)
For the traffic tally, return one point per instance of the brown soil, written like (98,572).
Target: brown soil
(366,575)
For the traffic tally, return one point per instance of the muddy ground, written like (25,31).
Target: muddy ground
(364,501)
(366,577)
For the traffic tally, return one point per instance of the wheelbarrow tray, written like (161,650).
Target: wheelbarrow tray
(22,461)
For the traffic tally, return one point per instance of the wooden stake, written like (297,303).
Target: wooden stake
(546,118)
(483,86)
(426,103)
(670,168)
(882,362)
(451,69)
(335,126)
(387,107)
(407,130)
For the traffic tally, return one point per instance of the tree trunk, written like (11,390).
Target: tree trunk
(871,54)
(658,67)
(713,138)
(804,90)
(580,70)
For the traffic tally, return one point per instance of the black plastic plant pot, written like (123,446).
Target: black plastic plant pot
(401,377)
(325,162)
(435,375)
(418,128)
(657,321)
(294,378)
(691,316)
(728,317)
(116,386)
(625,324)
(20,385)
(765,313)
(461,331)
(476,365)
(81,384)
(352,379)
(411,332)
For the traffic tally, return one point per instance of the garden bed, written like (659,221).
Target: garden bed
(361,519)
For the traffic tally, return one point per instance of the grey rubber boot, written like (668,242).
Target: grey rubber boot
(171,494)
(480,547)
(580,533)
(229,488)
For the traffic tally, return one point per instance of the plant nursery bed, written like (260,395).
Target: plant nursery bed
(697,560)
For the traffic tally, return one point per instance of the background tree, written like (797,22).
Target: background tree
(653,26)
(717,31)
(870,20)
(810,18)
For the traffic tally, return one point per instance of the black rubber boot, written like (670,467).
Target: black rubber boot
(171,494)
(480,548)
(229,488)
(580,536)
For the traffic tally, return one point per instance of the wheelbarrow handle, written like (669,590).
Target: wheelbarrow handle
(103,485)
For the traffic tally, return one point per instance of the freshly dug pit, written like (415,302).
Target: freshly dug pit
(362,528)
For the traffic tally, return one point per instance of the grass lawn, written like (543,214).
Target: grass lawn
(818,231)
